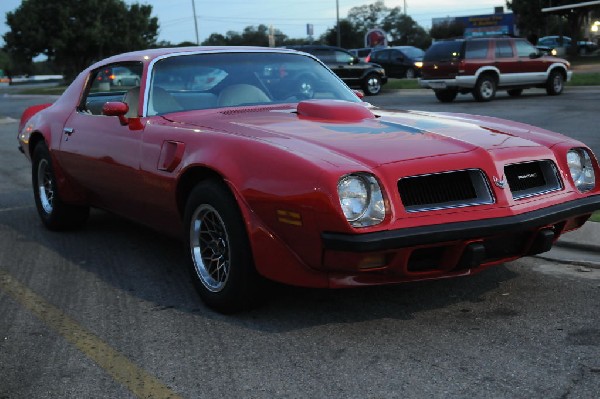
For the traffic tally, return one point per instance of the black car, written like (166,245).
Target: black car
(355,73)
(399,62)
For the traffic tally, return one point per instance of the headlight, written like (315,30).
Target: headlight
(419,64)
(581,168)
(361,199)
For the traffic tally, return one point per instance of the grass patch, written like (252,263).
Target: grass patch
(585,79)
(44,90)
(396,84)
(595,217)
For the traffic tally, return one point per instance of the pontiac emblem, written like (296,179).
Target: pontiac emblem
(501,183)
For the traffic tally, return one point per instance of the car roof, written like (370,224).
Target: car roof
(151,54)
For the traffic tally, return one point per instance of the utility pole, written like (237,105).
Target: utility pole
(337,17)
(404,7)
(195,22)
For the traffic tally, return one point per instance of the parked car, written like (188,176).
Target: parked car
(400,61)
(484,65)
(552,45)
(264,180)
(357,74)
(361,53)
(119,76)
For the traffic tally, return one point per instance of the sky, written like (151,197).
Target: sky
(176,17)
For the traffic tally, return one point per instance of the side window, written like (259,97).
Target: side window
(397,56)
(525,49)
(324,55)
(342,57)
(476,49)
(504,49)
(381,56)
(114,82)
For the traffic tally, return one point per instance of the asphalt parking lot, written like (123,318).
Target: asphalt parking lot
(109,311)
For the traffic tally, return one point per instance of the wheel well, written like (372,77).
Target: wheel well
(189,180)
(493,74)
(560,70)
(34,139)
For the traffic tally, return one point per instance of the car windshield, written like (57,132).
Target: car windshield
(214,80)
(413,52)
(444,51)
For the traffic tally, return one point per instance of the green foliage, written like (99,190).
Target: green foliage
(595,217)
(73,34)
(405,31)
(251,36)
(532,23)
(350,37)
(447,30)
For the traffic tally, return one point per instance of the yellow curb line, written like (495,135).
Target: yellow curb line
(134,378)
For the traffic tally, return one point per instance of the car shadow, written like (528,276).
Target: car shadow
(152,267)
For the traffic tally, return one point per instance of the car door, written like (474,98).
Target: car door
(506,62)
(533,68)
(398,64)
(382,57)
(99,153)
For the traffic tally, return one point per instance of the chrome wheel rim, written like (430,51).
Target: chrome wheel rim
(45,186)
(410,74)
(210,249)
(373,85)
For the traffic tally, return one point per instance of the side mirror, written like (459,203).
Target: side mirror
(116,108)
(535,55)
(359,94)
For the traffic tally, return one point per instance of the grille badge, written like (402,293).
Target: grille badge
(500,182)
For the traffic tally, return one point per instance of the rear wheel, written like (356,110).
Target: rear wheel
(221,261)
(372,85)
(55,214)
(485,88)
(514,92)
(446,96)
(555,83)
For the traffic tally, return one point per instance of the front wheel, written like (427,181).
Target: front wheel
(410,74)
(54,213)
(372,85)
(555,83)
(221,261)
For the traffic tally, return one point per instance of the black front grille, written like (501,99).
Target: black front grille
(532,178)
(444,190)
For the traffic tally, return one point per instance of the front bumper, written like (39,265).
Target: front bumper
(428,235)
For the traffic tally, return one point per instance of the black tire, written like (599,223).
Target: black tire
(514,92)
(485,88)
(55,214)
(555,83)
(410,73)
(446,96)
(221,263)
(372,84)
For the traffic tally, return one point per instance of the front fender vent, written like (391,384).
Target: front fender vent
(453,189)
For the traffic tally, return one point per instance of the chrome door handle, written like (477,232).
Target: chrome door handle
(68,131)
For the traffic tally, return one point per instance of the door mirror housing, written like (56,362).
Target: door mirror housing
(116,108)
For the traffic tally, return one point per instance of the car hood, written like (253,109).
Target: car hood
(370,136)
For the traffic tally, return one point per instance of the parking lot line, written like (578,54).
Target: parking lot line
(134,378)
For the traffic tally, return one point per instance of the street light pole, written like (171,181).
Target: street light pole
(337,17)
(195,22)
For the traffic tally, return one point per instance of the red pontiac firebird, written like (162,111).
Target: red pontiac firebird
(270,168)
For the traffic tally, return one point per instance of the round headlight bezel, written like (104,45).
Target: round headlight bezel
(581,169)
(362,205)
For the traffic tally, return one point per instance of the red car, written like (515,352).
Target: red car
(270,168)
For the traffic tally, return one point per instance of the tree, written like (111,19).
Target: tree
(349,35)
(369,16)
(251,36)
(447,29)
(533,23)
(405,31)
(74,34)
